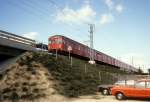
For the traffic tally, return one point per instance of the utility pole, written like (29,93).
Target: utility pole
(91,44)
(132,61)
(56,54)
(71,61)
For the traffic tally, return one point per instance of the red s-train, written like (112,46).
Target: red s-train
(63,45)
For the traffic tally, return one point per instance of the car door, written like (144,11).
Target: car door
(148,89)
(139,90)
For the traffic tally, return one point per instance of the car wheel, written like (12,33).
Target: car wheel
(105,92)
(120,96)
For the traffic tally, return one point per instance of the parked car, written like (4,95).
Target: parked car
(141,89)
(106,89)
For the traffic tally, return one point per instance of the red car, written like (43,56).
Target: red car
(106,89)
(141,89)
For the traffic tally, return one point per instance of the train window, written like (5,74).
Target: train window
(88,50)
(63,41)
(49,41)
(105,58)
(59,41)
(53,41)
(79,47)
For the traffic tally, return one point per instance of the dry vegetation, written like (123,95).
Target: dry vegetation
(36,75)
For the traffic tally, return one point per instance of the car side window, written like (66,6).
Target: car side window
(148,85)
(140,85)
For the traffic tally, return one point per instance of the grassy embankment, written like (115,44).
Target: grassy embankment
(39,74)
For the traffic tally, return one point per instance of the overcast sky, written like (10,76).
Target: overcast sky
(121,26)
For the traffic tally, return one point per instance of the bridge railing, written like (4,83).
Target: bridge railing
(17,38)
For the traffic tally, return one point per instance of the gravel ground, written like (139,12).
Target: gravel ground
(90,98)
(103,99)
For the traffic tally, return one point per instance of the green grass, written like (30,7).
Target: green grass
(76,80)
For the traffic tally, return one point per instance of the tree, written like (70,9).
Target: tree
(140,71)
(149,71)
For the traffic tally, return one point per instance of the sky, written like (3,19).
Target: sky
(121,26)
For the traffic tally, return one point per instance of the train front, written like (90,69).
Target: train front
(55,43)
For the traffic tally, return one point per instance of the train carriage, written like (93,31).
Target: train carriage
(63,45)
(99,56)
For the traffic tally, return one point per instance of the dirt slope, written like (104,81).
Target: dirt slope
(38,75)
(5,64)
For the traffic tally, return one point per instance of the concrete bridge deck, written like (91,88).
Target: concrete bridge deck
(11,44)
